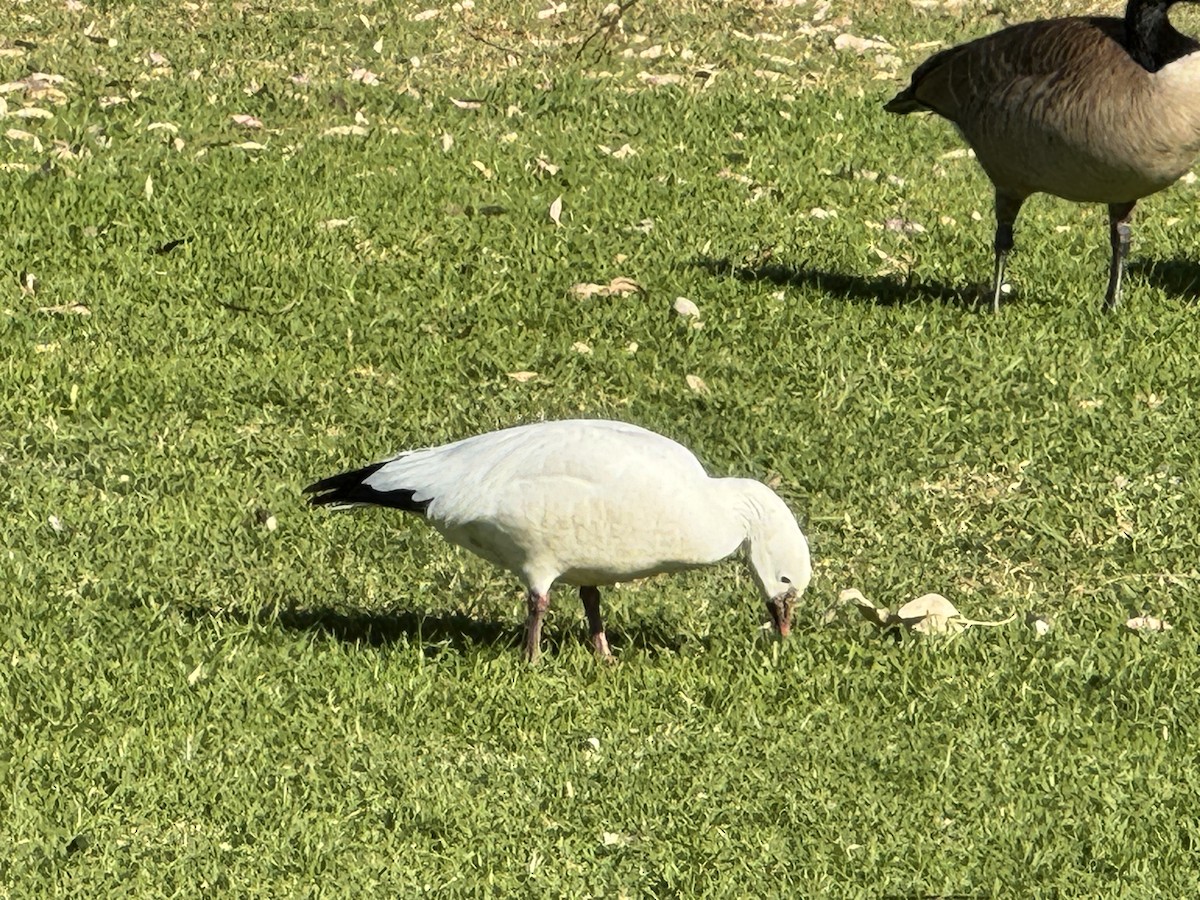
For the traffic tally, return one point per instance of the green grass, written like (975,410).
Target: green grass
(195,703)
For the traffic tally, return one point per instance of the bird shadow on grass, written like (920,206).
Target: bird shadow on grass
(876,291)
(439,633)
(1177,277)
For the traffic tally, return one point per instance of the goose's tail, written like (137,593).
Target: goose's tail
(354,489)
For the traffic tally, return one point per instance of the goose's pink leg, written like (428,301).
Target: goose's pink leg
(537,604)
(591,608)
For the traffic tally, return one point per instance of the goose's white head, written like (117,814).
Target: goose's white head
(778,554)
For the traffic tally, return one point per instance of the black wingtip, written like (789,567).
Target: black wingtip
(348,489)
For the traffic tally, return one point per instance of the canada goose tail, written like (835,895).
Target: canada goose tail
(351,489)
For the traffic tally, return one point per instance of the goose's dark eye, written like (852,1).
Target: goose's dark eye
(785,579)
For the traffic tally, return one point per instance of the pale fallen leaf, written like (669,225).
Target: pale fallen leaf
(345,131)
(77,309)
(196,674)
(552,10)
(658,80)
(556,211)
(163,126)
(928,614)
(149,188)
(111,101)
(364,76)
(858,44)
(581,347)
(426,14)
(246,121)
(696,384)
(16,134)
(685,307)
(544,165)
(1041,624)
(522,377)
(32,112)
(1147,623)
(330,224)
(483,169)
(249,145)
(619,286)
(447,141)
(466,104)
(56,523)
(271,523)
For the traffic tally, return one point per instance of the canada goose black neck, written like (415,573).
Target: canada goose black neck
(1149,33)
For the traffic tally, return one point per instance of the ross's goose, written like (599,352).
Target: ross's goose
(588,503)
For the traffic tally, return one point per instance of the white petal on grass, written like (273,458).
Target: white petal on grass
(55,523)
(364,76)
(149,188)
(696,384)
(447,141)
(556,211)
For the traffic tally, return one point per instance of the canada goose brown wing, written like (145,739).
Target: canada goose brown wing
(1034,56)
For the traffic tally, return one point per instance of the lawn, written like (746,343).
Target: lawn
(250,245)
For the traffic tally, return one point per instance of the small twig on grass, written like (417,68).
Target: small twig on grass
(607,26)
(472,33)
(237,307)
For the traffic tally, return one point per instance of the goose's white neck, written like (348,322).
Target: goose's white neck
(776,547)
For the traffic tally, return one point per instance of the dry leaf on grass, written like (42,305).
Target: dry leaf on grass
(928,614)
(249,145)
(618,287)
(556,211)
(364,76)
(246,121)
(447,141)
(685,307)
(696,384)
(1147,623)
(77,309)
(466,104)
(31,112)
(345,131)
(522,377)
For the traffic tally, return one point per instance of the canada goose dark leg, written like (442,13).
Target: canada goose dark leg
(1007,208)
(537,604)
(1119,231)
(591,608)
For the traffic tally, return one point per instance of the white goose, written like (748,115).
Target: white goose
(587,503)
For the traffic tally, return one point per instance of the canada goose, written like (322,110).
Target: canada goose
(588,503)
(1096,110)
